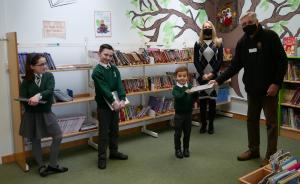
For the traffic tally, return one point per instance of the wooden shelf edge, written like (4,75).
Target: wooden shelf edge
(76,100)
(145,65)
(72,134)
(291,81)
(290,132)
(290,105)
(146,92)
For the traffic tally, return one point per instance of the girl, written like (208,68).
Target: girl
(208,57)
(38,120)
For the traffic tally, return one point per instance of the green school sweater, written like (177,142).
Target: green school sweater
(107,80)
(183,101)
(28,89)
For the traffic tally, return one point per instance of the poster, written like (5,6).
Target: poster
(227,19)
(54,29)
(103,23)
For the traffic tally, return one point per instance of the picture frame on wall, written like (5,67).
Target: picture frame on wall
(102,21)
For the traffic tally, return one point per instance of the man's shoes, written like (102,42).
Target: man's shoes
(51,170)
(248,155)
(102,163)
(118,156)
(211,128)
(186,153)
(264,162)
(178,153)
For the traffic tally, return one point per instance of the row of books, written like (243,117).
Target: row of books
(22,61)
(147,83)
(161,104)
(285,169)
(291,96)
(71,123)
(166,56)
(293,71)
(133,112)
(290,117)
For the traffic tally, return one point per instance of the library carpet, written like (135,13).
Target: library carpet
(152,160)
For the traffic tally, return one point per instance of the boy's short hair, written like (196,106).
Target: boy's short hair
(181,69)
(105,46)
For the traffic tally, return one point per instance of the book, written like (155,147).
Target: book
(201,87)
(290,45)
(116,97)
(21,99)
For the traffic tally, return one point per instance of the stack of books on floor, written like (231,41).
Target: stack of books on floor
(22,61)
(133,112)
(290,118)
(71,123)
(285,169)
(161,104)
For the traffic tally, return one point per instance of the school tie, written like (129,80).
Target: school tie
(38,80)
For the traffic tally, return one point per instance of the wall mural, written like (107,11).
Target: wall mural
(152,18)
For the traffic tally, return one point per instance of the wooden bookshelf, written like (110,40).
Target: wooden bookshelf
(71,67)
(156,64)
(147,92)
(77,99)
(291,81)
(146,118)
(290,105)
(288,84)
(72,134)
(290,132)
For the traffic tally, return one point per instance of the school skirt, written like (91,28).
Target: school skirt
(39,125)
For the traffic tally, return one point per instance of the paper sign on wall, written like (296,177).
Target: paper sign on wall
(54,29)
(102,23)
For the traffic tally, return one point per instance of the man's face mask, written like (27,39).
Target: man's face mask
(250,29)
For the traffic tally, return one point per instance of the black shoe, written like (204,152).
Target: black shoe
(186,153)
(118,156)
(211,131)
(42,170)
(178,153)
(102,163)
(203,129)
(53,170)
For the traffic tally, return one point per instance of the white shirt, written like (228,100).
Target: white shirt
(180,85)
(105,65)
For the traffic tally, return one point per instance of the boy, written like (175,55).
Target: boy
(107,79)
(183,111)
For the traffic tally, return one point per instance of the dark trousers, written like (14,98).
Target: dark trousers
(108,131)
(269,106)
(183,123)
(211,111)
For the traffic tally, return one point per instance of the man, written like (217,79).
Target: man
(107,79)
(263,58)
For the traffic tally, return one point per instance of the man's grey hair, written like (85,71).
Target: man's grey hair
(249,14)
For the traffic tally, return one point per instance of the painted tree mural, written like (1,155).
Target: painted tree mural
(151,17)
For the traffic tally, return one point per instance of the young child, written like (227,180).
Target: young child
(183,111)
(38,120)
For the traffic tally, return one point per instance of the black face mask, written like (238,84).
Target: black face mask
(207,32)
(250,29)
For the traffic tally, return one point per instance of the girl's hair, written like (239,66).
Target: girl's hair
(215,39)
(31,60)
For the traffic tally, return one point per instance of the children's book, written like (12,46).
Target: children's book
(116,97)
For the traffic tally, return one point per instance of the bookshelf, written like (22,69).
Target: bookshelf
(287,107)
